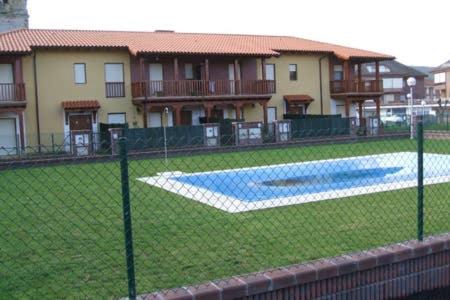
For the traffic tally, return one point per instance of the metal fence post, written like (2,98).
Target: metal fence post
(127,218)
(419,180)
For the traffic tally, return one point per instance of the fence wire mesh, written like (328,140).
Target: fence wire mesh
(202,213)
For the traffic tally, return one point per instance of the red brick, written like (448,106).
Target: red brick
(325,269)
(232,288)
(383,256)
(281,278)
(364,260)
(419,248)
(154,296)
(175,294)
(303,273)
(401,252)
(207,291)
(345,264)
(256,283)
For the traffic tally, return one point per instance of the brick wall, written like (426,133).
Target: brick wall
(437,134)
(391,272)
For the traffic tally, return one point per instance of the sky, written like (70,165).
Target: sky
(414,31)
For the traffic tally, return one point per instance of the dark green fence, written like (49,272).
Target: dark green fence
(123,225)
(319,127)
(105,134)
(155,138)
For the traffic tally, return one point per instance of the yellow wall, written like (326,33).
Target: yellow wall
(307,83)
(55,75)
(56,83)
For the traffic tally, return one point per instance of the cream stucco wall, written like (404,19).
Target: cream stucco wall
(307,83)
(55,77)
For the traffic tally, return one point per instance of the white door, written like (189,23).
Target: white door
(271,114)
(154,119)
(270,72)
(6,80)
(8,138)
(156,76)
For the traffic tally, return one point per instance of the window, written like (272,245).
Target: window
(439,77)
(117,118)
(392,83)
(6,73)
(383,69)
(338,72)
(114,79)
(292,72)
(270,74)
(188,71)
(79,71)
(389,98)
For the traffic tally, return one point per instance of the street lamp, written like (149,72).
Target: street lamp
(411,82)
(166,112)
(423,108)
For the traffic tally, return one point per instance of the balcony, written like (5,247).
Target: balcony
(11,92)
(201,88)
(356,87)
(115,89)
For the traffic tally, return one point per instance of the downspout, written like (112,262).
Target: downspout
(320,82)
(36,99)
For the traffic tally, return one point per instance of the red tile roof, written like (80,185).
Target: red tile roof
(81,104)
(298,98)
(23,40)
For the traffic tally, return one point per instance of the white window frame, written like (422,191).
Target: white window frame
(189,71)
(439,77)
(109,72)
(79,73)
(117,114)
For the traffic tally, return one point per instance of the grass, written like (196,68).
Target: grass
(62,230)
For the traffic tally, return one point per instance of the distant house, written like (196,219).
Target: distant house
(441,76)
(395,99)
(394,76)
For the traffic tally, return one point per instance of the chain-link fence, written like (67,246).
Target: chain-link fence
(133,220)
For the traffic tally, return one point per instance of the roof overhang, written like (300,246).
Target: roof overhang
(77,105)
(298,99)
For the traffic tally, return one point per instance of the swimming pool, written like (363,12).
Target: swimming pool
(244,189)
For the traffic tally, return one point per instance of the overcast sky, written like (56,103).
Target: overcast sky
(414,31)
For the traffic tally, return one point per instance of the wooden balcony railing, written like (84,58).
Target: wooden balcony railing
(12,92)
(355,86)
(193,88)
(115,89)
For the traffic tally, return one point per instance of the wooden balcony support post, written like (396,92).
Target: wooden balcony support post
(238,107)
(264,106)
(236,77)
(175,69)
(21,130)
(177,109)
(144,115)
(263,68)
(143,84)
(377,75)
(360,109)
(206,69)
(347,107)
(360,85)
(208,111)
(378,109)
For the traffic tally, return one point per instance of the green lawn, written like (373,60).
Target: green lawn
(62,234)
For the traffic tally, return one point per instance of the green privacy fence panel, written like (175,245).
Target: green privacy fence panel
(153,138)
(105,135)
(316,127)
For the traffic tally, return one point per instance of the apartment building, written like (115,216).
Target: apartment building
(58,81)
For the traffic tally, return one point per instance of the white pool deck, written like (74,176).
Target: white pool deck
(233,205)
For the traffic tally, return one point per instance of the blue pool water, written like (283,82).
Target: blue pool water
(278,181)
